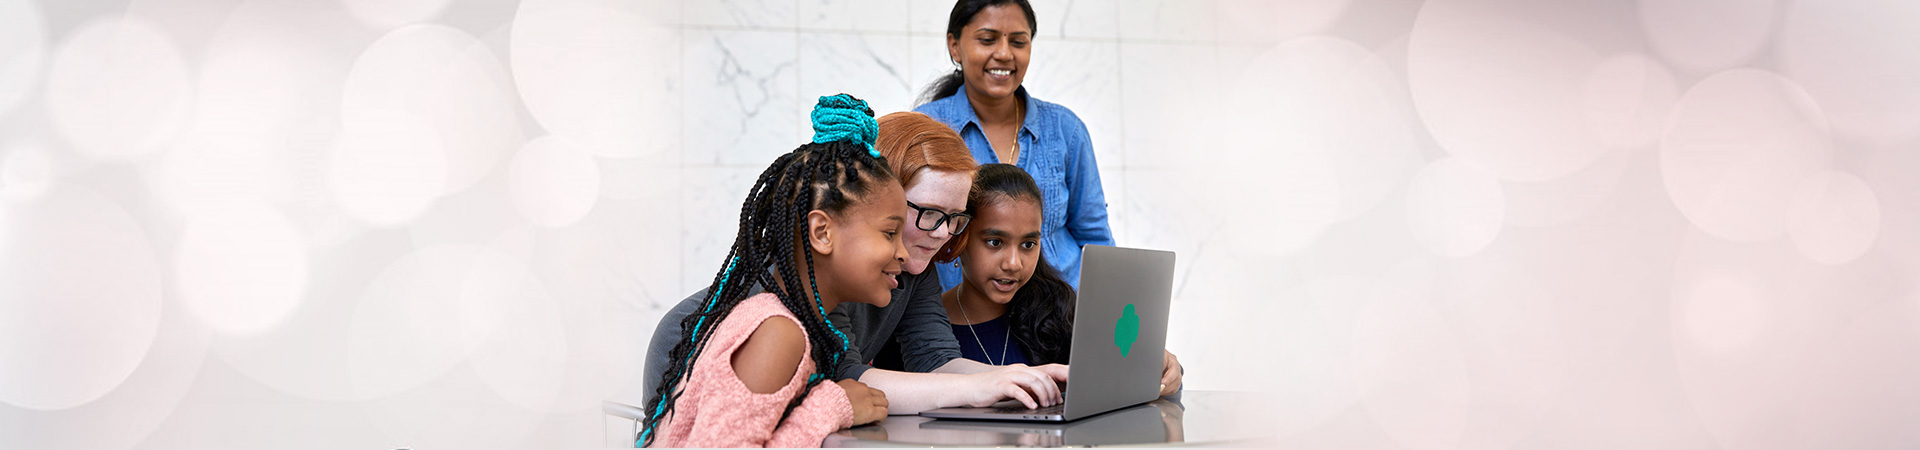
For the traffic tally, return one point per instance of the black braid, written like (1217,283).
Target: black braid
(801,303)
(721,296)
(823,177)
(830,184)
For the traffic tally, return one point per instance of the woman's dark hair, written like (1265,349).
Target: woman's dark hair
(1040,315)
(830,177)
(963,12)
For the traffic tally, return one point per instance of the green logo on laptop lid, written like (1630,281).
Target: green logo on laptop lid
(1126,330)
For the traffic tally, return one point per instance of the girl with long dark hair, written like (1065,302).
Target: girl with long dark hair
(1011,306)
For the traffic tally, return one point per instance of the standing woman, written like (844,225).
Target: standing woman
(990,42)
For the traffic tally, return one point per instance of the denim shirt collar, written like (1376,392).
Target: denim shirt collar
(959,102)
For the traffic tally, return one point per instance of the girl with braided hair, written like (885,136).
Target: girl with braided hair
(905,348)
(820,226)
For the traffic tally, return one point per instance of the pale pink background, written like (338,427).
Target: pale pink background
(1423,225)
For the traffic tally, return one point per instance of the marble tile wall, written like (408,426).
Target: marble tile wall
(1141,76)
(752,69)
(1424,223)
(1148,77)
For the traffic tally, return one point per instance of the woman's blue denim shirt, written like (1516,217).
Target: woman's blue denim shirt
(1057,151)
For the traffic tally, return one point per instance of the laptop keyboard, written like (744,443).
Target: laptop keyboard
(1060,408)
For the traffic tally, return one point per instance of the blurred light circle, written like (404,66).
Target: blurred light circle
(207,175)
(266,117)
(1708,34)
(309,354)
(118,88)
(1455,208)
(1836,217)
(1513,342)
(1736,146)
(459,411)
(80,298)
(1312,345)
(23,48)
(387,167)
(482,215)
(1734,351)
(1865,388)
(258,123)
(1627,99)
(1343,103)
(1279,20)
(553,183)
(512,329)
(1296,194)
(1506,93)
(1721,315)
(26,170)
(640,179)
(1856,57)
(392,13)
(150,396)
(1732,344)
(595,74)
(1569,198)
(242,270)
(1746,319)
(1411,372)
(450,80)
(256,89)
(407,329)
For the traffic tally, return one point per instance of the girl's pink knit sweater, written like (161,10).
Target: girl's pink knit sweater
(716,410)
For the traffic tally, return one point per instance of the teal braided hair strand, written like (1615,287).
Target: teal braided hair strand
(842,117)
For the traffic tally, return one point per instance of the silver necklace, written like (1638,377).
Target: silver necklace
(976,336)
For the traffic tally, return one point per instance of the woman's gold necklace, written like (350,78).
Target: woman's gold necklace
(1021,122)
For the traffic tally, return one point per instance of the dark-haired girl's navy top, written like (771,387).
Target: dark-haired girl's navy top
(994,344)
(1057,151)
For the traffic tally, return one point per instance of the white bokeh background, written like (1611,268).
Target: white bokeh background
(1422,224)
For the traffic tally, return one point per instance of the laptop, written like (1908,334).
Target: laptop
(1135,425)
(1119,333)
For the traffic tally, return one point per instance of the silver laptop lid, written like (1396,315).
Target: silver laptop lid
(1120,328)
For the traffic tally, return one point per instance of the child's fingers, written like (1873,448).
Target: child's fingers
(1045,381)
(1020,393)
(1057,371)
(1043,389)
(880,399)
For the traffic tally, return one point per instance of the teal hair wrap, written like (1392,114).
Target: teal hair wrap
(845,118)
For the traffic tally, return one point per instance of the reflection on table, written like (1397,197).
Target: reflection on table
(1194,418)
